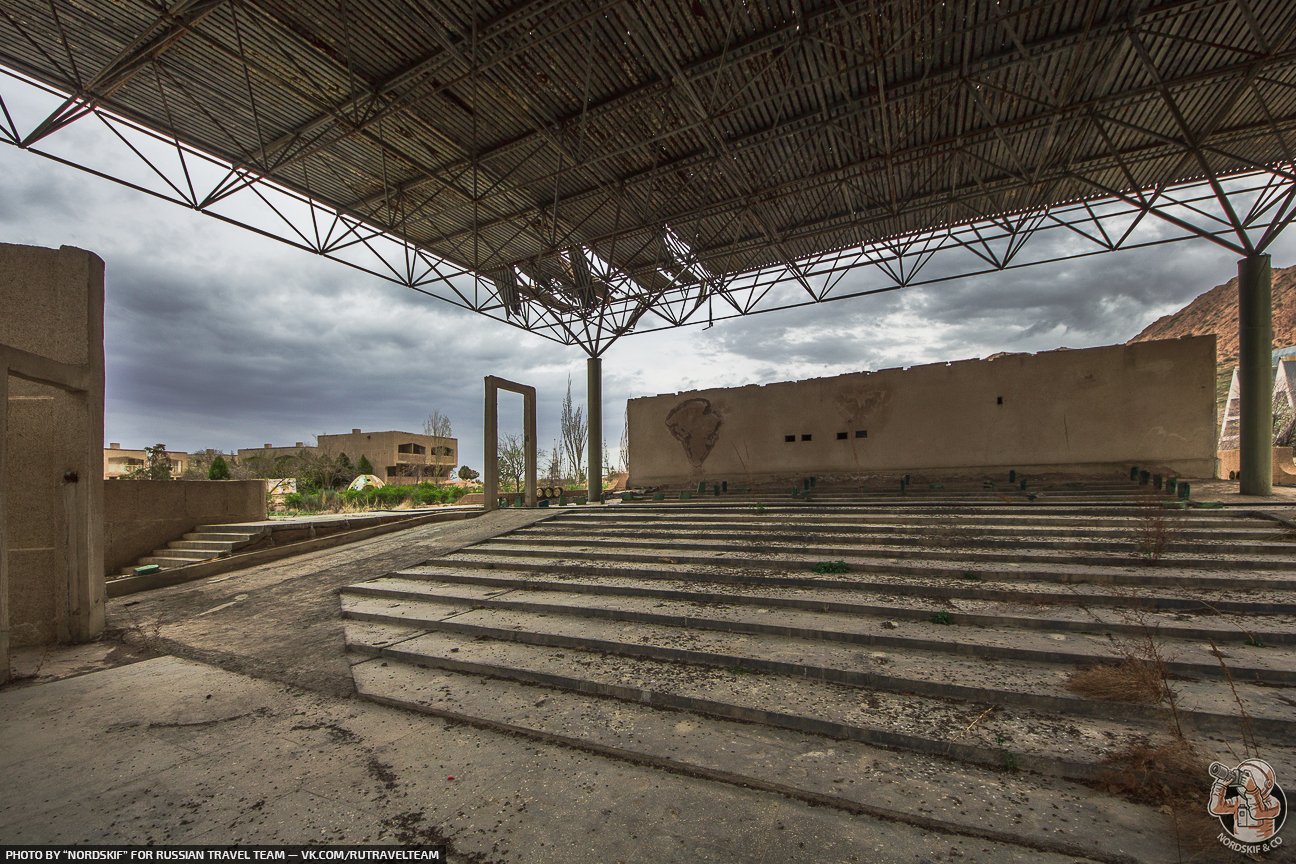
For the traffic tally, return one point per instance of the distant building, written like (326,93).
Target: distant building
(396,457)
(119,462)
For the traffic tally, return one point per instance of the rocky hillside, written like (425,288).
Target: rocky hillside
(1216,312)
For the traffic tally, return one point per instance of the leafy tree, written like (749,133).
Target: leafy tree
(343,461)
(157,465)
(466,473)
(365,466)
(219,469)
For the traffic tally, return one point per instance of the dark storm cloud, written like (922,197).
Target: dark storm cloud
(215,337)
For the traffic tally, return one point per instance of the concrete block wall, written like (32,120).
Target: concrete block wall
(1091,410)
(143,515)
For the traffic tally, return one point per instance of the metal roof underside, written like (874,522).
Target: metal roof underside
(576,164)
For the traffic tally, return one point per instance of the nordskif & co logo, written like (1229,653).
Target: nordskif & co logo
(1250,805)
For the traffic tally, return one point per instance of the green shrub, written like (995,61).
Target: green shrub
(293,500)
(364,466)
(942,618)
(832,567)
(219,469)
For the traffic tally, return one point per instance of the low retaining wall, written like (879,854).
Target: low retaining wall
(143,515)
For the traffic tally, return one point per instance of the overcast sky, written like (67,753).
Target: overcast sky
(217,337)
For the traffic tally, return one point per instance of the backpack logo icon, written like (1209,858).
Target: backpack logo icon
(1250,804)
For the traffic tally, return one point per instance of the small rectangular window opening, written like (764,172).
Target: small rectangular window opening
(805,437)
(861,433)
(1000,400)
(841,436)
(788,439)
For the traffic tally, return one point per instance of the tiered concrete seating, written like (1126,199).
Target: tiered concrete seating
(950,627)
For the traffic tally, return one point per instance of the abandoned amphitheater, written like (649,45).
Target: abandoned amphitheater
(1026,607)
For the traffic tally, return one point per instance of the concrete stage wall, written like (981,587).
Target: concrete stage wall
(51,305)
(143,515)
(1090,411)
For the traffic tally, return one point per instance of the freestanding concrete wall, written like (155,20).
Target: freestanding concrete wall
(1091,410)
(143,515)
(51,308)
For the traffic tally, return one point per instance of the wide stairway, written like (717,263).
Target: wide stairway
(942,625)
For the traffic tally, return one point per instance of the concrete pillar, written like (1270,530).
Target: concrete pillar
(529,444)
(594,395)
(51,447)
(490,447)
(1255,376)
(4,533)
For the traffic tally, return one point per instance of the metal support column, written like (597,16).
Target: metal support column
(594,393)
(1255,376)
(490,455)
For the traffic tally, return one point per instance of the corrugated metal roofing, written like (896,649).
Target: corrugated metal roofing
(682,141)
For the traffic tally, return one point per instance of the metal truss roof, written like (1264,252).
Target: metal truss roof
(588,168)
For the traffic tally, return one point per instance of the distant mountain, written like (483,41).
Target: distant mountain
(1216,312)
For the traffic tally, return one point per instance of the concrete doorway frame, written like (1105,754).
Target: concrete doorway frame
(490,471)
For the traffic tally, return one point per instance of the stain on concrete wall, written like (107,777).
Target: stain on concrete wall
(695,424)
(1150,403)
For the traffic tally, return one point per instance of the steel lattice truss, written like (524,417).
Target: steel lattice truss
(588,168)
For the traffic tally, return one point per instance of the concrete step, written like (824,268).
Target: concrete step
(166,562)
(927,530)
(185,554)
(1074,614)
(916,723)
(984,637)
(213,546)
(223,536)
(929,790)
(909,515)
(954,587)
(1176,571)
(959,538)
(827,683)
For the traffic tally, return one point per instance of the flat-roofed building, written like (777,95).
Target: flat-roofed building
(401,458)
(119,462)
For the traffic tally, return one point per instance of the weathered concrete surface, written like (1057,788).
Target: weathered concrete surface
(1149,404)
(169,751)
(143,515)
(281,621)
(51,305)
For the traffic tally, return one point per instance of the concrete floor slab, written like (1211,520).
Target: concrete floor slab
(265,763)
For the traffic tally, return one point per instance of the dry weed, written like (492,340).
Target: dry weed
(1173,778)
(1157,775)
(1130,680)
(1155,529)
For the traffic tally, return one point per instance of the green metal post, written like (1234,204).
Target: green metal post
(1255,376)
